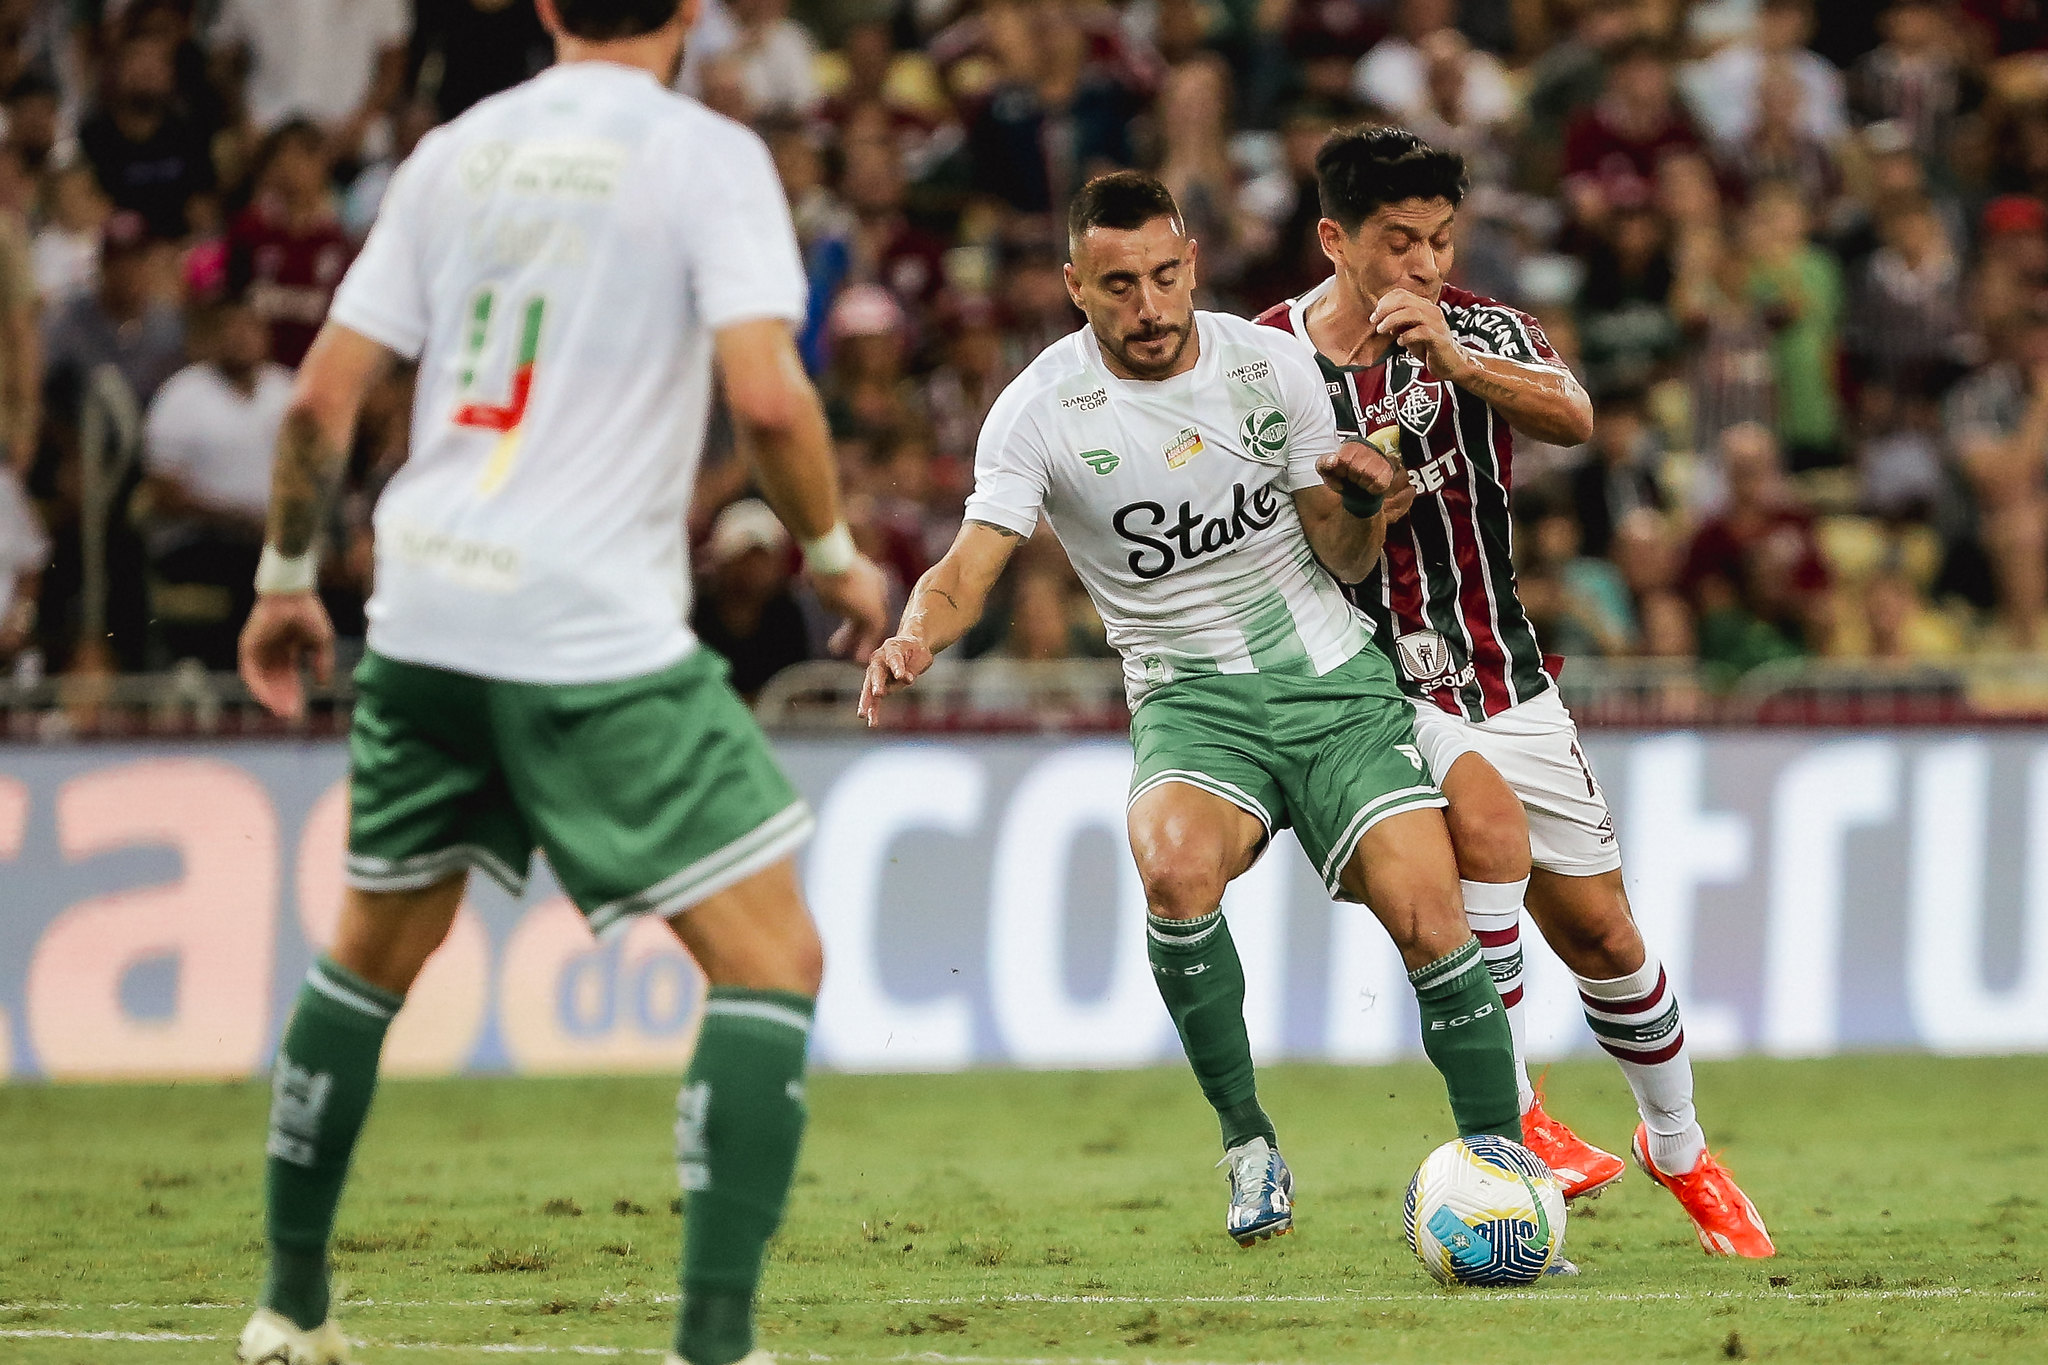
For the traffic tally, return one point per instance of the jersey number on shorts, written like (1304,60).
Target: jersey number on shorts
(504,418)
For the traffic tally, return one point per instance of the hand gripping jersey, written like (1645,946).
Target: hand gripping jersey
(1174,501)
(1442,599)
(559,258)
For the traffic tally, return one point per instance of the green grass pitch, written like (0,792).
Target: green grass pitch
(1053,1218)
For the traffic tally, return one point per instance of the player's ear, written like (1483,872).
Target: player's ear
(1073,277)
(1331,238)
(1191,258)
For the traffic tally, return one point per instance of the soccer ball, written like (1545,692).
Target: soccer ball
(1484,1210)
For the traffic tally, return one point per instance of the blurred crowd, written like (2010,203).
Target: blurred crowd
(1797,250)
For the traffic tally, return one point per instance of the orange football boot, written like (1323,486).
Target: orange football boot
(1584,1168)
(1727,1223)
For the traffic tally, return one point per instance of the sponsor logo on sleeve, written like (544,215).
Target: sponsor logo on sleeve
(1086,402)
(1252,373)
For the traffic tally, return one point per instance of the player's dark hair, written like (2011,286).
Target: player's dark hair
(605,21)
(1122,201)
(1359,170)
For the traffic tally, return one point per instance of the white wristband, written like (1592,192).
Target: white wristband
(832,553)
(278,573)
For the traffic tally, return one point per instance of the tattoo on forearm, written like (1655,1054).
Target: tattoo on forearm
(305,476)
(999,530)
(941,592)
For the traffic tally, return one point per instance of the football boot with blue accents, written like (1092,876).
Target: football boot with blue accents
(1261,1193)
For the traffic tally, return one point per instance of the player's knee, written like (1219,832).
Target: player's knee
(1491,836)
(1183,882)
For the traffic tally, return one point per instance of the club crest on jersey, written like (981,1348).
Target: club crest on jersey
(1417,406)
(1265,435)
(1101,461)
(1426,659)
(1185,447)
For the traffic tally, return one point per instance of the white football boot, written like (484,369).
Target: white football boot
(274,1339)
(1261,1193)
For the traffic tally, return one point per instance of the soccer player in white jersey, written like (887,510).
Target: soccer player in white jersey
(565,261)
(1190,464)
(1445,378)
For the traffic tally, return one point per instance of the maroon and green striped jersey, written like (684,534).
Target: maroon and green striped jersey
(1442,598)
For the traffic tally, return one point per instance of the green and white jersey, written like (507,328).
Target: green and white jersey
(559,258)
(1173,500)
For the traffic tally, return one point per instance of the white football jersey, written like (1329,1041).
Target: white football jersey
(558,259)
(1174,501)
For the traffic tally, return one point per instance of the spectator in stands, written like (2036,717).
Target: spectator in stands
(1621,475)
(1799,288)
(1997,428)
(477,47)
(1626,326)
(1724,91)
(34,122)
(1649,557)
(959,392)
(1194,162)
(888,248)
(1036,309)
(878,77)
(1754,571)
(1779,147)
(865,391)
(1394,75)
(776,57)
(339,66)
(1613,150)
(207,448)
(1579,603)
(65,253)
(1906,312)
(124,323)
(150,157)
(21,352)
(745,608)
(1918,77)
(1565,80)
(24,550)
(287,251)
(1053,118)
(1729,374)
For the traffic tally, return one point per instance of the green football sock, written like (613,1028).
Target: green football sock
(1195,965)
(739,1121)
(320,1091)
(1465,1032)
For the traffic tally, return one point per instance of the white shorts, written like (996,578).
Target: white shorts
(1535,747)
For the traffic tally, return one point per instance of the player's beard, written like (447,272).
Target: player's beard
(1121,349)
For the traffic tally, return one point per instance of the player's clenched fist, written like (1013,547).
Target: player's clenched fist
(1358,470)
(1420,328)
(896,665)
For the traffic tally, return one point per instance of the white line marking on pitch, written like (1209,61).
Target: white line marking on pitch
(523,1349)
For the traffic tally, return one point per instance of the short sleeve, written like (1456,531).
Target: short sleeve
(744,264)
(1010,464)
(384,295)
(1311,417)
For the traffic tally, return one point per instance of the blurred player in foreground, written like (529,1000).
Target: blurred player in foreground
(1443,379)
(565,261)
(1191,467)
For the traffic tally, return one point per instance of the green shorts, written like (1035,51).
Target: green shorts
(1330,756)
(647,794)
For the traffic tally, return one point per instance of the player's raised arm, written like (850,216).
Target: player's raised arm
(1538,400)
(944,604)
(783,424)
(289,626)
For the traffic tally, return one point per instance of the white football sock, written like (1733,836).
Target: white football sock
(1635,1017)
(1494,909)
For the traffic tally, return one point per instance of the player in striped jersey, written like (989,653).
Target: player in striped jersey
(1444,378)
